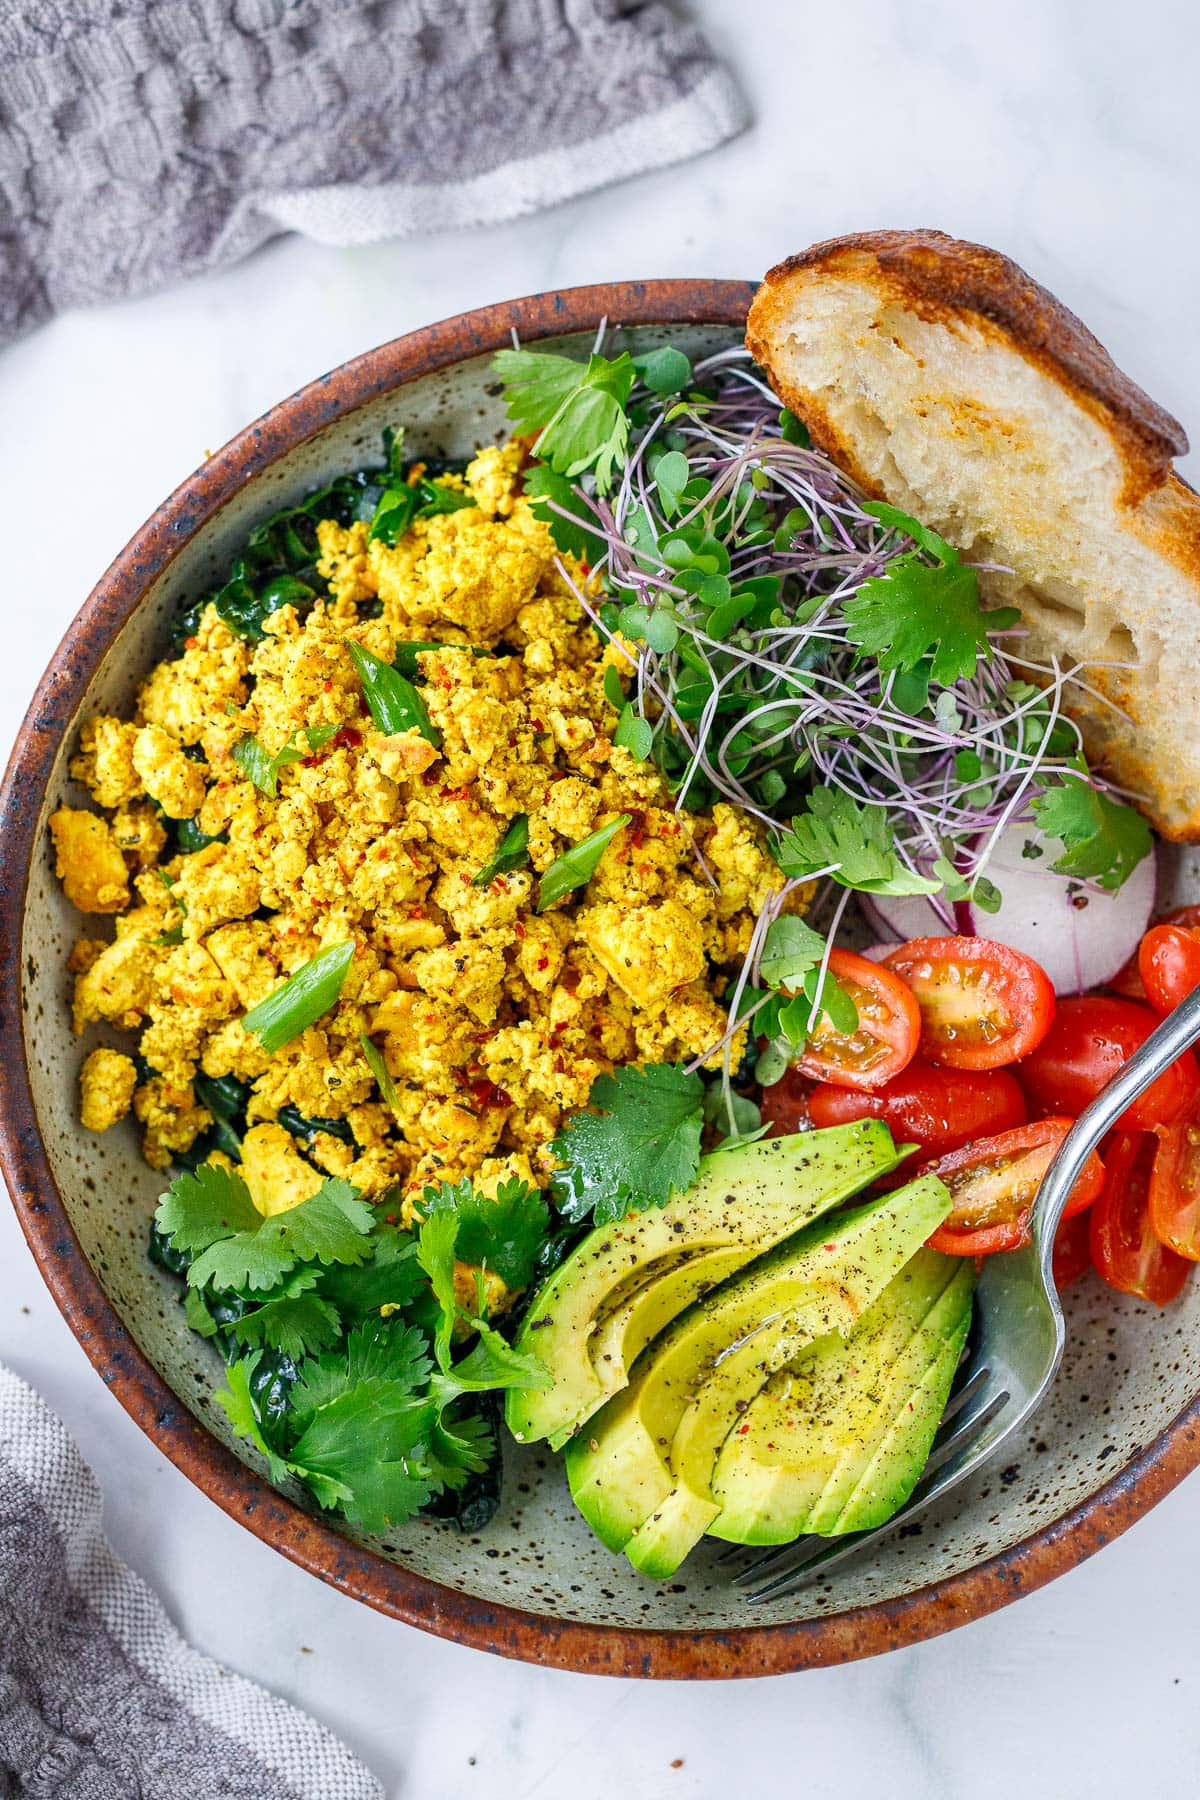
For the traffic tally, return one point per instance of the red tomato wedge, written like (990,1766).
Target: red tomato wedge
(1128,980)
(1089,1041)
(994,1182)
(1072,1250)
(982,1004)
(1175,1186)
(1124,1248)
(1169,965)
(889,1026)
(936,1109)
(785,1105)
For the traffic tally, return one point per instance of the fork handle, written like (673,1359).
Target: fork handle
(1177,1033)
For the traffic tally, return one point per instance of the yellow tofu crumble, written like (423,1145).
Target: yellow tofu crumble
(494,1020)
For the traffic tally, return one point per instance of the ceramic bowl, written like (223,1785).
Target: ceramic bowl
(1121,1427)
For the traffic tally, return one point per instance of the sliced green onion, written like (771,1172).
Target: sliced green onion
(512,852)
(300,1001)
(576,866)
(392,700)
(379,1070)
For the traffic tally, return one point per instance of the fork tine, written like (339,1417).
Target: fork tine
(820,1553)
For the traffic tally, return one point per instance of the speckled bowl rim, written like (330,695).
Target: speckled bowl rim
(142,1391)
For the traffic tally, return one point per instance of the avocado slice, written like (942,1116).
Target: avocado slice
(714,1358)
(872,1243)
(837,1441)
(626,1281)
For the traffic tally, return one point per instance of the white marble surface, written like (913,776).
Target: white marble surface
(1058,131)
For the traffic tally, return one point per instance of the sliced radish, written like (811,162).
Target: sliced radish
(1080,935)
(903,916)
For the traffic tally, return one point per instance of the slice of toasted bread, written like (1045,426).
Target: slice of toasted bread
(947,382)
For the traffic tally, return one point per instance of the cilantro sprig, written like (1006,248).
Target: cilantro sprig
(853,844)
(355,1364)
(577,409)
(638,1143)
(1102,839)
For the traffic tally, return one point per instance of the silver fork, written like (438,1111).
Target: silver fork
(1016,1339)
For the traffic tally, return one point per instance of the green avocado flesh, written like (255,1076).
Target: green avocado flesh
(626,1281)
(642,1474)
(837,1441)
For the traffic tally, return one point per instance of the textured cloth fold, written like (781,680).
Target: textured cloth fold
(141,140)
(100,1698)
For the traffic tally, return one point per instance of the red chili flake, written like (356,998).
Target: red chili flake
(742,1430)
(537,724)
(192,643)
(559,1065)
(416,912)
(327,685)
(543,962)
(519,929)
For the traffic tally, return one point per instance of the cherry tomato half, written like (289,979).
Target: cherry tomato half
(1128,979)
(1087,1044)
(982,1004)
(1124,1248)
(1175,1186)
(994,1182)
(785,1104)
(889,1026)
(936,1109)
(1072,1250)
(1169,965)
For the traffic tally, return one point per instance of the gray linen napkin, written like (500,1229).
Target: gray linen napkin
(141,140)
(100,1698)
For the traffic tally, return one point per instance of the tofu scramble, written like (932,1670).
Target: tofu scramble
(493,1018)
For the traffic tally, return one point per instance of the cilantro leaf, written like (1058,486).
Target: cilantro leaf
(291,1319)
(853,842)
(391,1277)
(492,1363)
(301,1000)
(204,1205)
(791,948)
(1103,839)
(392,701)
(361,1451)
(575,536)
(459,1447)
(639,1146)
(577,409)
(505,1233)
(259,766)
(576,866)
(512,852)
(386,1350)
(331,1227)
(915,609)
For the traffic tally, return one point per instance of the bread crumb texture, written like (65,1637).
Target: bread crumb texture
(949,383)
